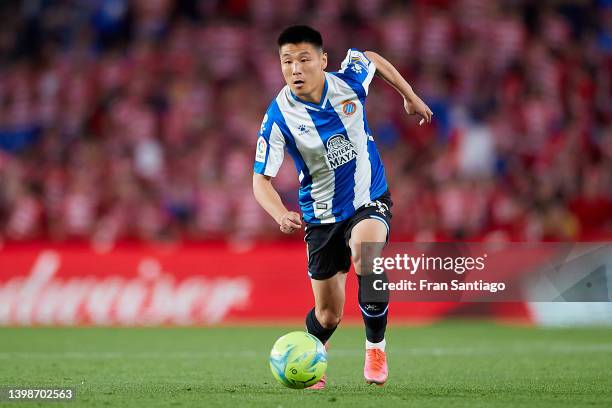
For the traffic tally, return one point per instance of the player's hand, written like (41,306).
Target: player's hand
(416,106)
(289,222)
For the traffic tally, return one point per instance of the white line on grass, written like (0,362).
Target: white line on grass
(338,352)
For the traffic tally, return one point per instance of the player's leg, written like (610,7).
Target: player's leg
(329,295)
(324,318)
(328,261)
(374,308)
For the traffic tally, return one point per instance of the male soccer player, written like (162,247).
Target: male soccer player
(319,117)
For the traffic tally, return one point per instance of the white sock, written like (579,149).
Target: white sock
(381,345)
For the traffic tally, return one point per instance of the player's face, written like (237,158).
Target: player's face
(303,65)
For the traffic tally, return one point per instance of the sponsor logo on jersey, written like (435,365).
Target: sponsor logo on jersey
(260,153)
(339,151)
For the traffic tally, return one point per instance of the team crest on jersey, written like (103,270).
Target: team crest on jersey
(349,107)
(339,151)
(260,153)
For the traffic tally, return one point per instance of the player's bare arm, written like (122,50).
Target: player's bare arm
(412,103)
(268,198)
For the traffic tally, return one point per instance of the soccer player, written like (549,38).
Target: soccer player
(319,117)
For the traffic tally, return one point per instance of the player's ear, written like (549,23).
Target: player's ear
(324,60)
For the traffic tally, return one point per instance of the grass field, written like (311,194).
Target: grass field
(448,365)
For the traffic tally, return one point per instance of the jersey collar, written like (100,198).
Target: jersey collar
(318,106)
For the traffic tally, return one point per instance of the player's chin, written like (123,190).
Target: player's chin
(298,90)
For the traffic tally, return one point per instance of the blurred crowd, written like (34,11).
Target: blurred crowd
(138,119)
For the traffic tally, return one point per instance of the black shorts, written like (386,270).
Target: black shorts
(328,244)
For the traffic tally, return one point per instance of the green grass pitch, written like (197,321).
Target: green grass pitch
(447,365)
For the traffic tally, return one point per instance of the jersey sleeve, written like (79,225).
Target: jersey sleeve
(270,148)
(358,68)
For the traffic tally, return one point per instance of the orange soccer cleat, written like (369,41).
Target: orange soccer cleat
(375,369)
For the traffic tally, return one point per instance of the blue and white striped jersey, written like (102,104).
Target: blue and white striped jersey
(331,144)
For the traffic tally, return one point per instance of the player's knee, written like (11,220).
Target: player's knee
(356,256)
(329,318)
(362,261)
(363,266)
(360,264)
(357,264)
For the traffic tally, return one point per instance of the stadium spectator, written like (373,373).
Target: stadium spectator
(120,119)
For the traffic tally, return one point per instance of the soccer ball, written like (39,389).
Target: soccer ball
(298,360)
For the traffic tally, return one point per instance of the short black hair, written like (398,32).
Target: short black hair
(300,34)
